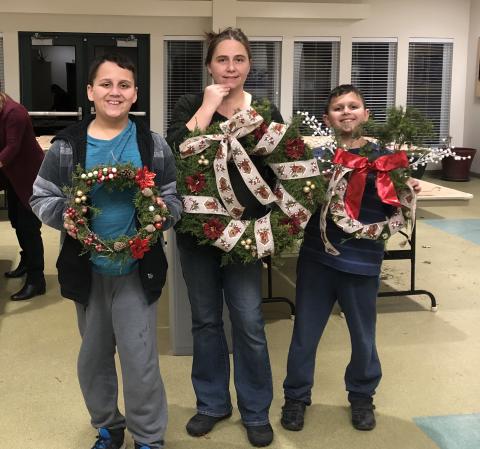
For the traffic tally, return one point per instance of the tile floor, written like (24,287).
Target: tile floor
(430,360)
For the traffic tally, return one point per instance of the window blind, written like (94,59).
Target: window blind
(185,72)
(316,69)
(263,81)
(374,67)
(429,84)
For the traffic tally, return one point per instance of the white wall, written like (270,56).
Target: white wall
(471,137)
(381,18)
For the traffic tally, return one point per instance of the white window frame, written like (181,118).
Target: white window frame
(334,72)
(387,94)
(166,40)
(443,123)
(275,99)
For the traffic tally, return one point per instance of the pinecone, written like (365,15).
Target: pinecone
(127,173)
(118,246)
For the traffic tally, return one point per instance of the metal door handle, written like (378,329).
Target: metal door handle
(136,113)
(57,113)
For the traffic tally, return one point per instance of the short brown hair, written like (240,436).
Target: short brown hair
(214,39)
(343,89)
(122,61)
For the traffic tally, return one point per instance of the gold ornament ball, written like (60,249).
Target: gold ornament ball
(306,189)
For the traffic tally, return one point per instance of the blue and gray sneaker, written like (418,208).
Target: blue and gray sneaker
(110,439)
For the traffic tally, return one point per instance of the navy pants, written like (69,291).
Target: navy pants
(318,287)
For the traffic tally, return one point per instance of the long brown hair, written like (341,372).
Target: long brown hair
(3,99)
(214,39)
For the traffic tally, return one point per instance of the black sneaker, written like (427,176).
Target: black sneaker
(201,424)
(260,436)
(363,416)
(110,439)
(293,413)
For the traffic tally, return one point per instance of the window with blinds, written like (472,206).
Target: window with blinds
(263,80)
(316,69)
(429,84)
(185,72)
(374,67)
(2,74)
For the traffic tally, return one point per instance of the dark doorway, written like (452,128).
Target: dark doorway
(54,72)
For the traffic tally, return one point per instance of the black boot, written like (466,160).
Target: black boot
(20,270)
(29,290)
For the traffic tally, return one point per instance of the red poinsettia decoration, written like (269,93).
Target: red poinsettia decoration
(213,228)
(295,148)
(196,182)
(144,178)
(293,224)
(260,131)
(139,247)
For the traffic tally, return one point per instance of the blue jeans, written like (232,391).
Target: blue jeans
(207,284)
(318,287)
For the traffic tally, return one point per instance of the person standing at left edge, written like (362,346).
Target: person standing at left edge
(20,160)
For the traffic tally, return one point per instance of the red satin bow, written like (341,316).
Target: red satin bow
(361,166)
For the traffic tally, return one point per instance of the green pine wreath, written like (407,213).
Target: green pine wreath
(151,213)
(195,176)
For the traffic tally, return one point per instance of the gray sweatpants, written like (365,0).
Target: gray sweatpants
(118,316)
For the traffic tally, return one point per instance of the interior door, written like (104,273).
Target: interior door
(54,73)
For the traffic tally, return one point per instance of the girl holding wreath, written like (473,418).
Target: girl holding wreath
(115,287)
(348,273)
(228,61)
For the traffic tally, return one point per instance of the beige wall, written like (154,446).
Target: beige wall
(378,18)
(471,137)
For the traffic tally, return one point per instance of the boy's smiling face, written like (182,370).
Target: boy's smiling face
(346,114)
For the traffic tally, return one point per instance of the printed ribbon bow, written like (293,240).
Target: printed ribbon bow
(241,124)
(361,167)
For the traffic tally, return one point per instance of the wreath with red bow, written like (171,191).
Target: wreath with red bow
(346,187)
(212,213)
(151,212)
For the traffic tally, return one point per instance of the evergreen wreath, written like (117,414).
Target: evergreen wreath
(393,190)
(392,168)
(151,213)
(210,212)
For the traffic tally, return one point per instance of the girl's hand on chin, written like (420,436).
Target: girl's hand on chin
(214,95)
